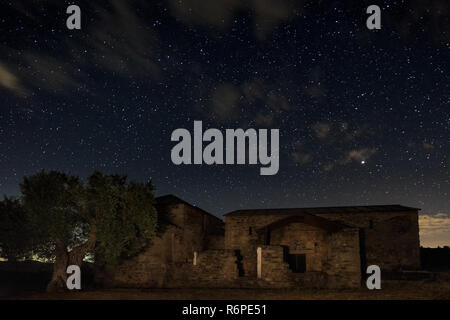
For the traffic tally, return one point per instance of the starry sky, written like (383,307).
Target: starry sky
(363,115)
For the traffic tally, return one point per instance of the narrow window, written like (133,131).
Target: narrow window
(370,224)
(250,231)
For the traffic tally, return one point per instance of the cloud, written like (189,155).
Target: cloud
(421,17)
(277,101)
(10,81)
(267,14)
(35,70)
(264,120)
(337,136)
(355,155)
(434,229)
(270,13)
(217,13)
(315,92)
(122,43)
(119,42)
(253,90)
(50,73)
(299,156)
(359,155)
(252,102)
(321,129)
(224,102)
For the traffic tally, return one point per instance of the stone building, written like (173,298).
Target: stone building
(298,247)
(182,230)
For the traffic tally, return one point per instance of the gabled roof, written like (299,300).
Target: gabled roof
(169,199)
(323,210)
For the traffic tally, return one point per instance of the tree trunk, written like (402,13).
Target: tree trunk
(78,253)
(64,259)
(59,276)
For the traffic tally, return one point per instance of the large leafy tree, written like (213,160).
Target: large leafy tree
(53,202)
(109,216)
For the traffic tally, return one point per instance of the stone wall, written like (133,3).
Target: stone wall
(303,239)
(391,238)
(343,259)
(275,272)
(273,266)
(300,238)
(214,268)
(240,234)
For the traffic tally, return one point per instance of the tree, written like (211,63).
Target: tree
(109,216)
(124,213)
(15,234)
(53,203)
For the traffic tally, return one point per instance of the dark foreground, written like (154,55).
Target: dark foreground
(391,290)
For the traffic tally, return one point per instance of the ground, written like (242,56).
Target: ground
(27,280)
(390,290)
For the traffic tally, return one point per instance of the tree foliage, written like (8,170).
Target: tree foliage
(124,213)
(53,202)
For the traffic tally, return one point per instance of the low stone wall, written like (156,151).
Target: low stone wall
(214,268)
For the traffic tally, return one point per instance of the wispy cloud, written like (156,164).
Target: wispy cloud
(50,73)
(10,81)
(356,155)
(359,155)
(267,14)
(300,156)
(119,42)
(321,129)
(340,140)
(252,102)
(122,43)
(224,102)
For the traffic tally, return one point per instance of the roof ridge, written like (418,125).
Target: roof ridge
(357,208)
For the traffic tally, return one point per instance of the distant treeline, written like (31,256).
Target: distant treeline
(435,258)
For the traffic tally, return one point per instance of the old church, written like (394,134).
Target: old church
(327,247)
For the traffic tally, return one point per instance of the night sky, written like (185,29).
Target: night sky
(364,115)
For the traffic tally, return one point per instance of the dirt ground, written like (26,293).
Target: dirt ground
(391,290)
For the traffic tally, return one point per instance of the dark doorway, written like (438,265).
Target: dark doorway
(297,262)
(238,262)
(362,253)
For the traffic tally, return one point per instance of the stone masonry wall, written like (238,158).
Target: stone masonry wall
(391,238)
(240,234)
(214,268)
(275,272)
(301,238)
(343,259)
(273,266)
